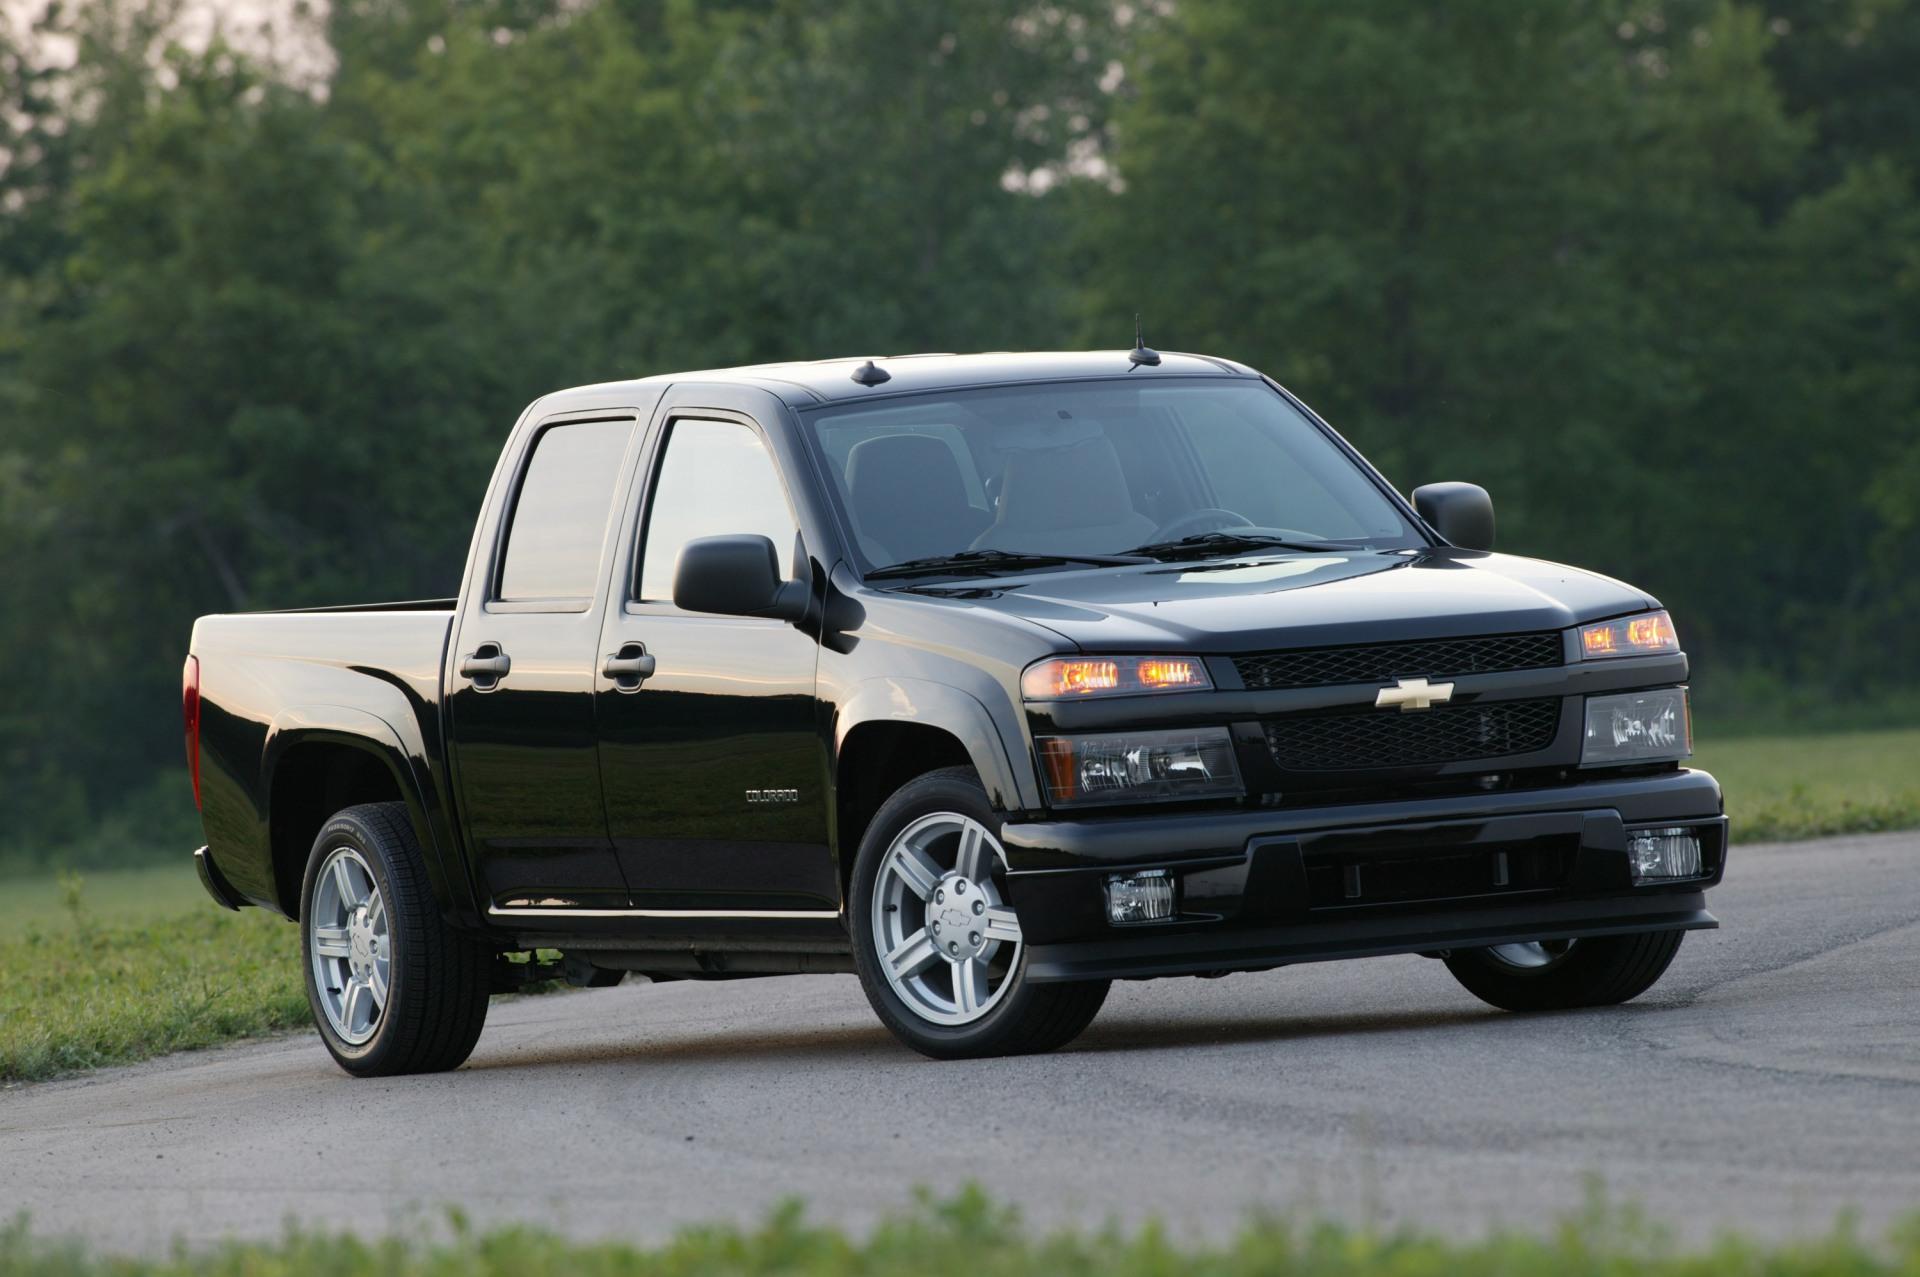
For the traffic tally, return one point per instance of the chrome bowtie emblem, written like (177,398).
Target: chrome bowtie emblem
(1413,693)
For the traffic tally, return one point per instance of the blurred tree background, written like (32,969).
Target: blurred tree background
(1648,269)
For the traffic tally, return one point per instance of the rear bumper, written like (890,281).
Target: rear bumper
(216,886)
(1259,889)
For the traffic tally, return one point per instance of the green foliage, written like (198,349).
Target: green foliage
(89,993)
(1565,253)
(1650,270)
(969,1235)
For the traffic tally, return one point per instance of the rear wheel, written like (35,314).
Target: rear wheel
(1556,975)
(392,987)
(937,944)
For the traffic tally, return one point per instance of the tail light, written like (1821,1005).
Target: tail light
(190,715)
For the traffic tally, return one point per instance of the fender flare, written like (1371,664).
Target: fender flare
(378,738)
(950,709)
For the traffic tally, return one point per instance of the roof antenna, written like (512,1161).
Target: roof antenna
(1141,354)
(871,374)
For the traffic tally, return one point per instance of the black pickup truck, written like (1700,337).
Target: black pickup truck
(993,678)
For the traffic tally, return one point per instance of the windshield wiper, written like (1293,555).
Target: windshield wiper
(986,561)
(1204,543)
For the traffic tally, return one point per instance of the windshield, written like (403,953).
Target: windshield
(1095,470)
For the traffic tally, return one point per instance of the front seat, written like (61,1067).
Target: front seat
(909,501)
(1068,500)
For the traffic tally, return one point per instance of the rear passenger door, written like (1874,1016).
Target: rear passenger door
(714,763)
(521,673)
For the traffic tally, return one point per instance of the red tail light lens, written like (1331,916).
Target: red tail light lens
(190,715)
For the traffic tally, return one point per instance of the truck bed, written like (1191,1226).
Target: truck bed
(271,682)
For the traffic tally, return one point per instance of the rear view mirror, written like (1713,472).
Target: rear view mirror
(736,576)
(1462,513)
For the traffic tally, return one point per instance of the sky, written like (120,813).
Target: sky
(267,29)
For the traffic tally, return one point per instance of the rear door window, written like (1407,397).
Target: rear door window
(560,514)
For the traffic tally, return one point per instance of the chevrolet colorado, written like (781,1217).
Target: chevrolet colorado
(992,678)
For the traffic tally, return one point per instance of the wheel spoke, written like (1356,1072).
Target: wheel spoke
(915,868)
(350,1005)
(971,862)
(377,985)
(1000,923)
(331,942)
(912,955)
(969,985)
(344,884)
(377,913)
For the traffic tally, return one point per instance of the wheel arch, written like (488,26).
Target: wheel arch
(319,761)
(892,730)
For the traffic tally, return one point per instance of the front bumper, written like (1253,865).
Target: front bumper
(1265,888)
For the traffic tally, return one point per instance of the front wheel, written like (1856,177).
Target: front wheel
(392,987)
(938,947)
(1558,975)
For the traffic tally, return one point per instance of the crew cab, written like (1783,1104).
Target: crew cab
(991,678)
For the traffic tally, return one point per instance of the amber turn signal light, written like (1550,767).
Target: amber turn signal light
(1063,678)
(1644,635)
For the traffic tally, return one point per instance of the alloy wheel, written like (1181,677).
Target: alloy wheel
(947,940)
(351,947)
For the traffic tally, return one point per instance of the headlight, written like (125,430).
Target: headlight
(1648,634)
(1637,727)
(1066,678)
(1140,767)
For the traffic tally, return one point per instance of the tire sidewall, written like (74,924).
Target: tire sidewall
(347,830)
(955,791)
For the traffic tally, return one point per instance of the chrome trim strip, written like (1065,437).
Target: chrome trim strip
(818,915)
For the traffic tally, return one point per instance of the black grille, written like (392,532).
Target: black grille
(1331,666)
(1393,738)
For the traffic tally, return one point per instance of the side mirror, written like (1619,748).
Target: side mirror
(736,576)
(1462,513)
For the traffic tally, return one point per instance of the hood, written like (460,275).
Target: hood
(1309,600)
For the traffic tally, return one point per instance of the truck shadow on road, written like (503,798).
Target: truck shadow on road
(1144,1035)
(870,1045)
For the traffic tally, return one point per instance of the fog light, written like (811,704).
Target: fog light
(1661,854)
(1141,897)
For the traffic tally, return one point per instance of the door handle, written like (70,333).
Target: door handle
(629,667)
(486,665)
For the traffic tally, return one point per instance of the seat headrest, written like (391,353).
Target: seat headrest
(908,496)
(1080,485)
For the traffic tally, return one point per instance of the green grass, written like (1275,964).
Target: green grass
(1781,787)
(970,1237)
(107,895)
(85,992)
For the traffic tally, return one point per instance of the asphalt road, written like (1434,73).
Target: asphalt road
(1771,1080)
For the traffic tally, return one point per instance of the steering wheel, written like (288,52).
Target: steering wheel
(1211,519)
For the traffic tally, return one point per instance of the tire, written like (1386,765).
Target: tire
(366,871)
(1561,975)
(993,1010)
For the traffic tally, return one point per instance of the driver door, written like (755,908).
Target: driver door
(710,744)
